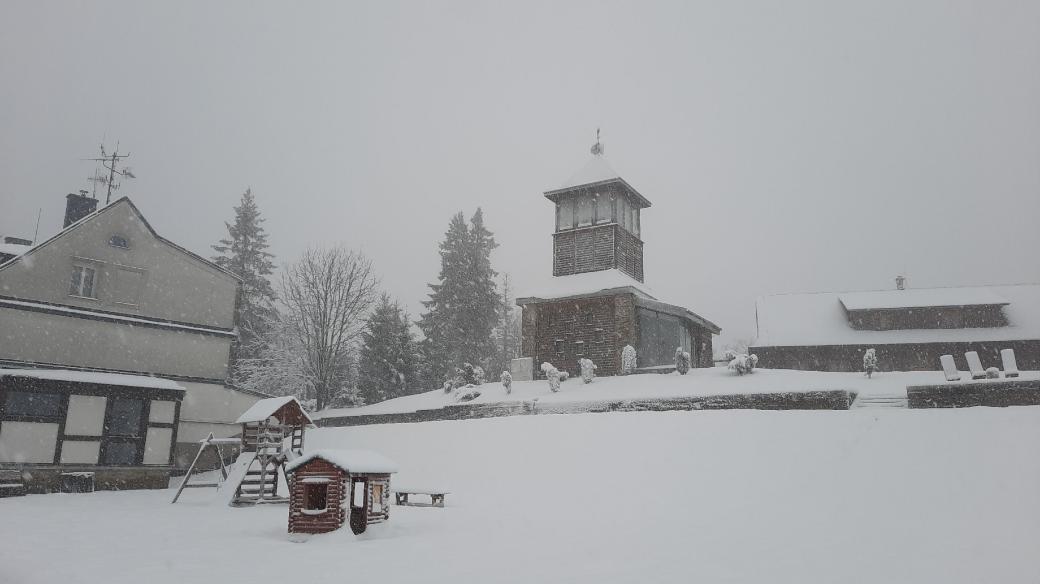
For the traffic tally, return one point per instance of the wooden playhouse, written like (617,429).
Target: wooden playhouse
(330,487)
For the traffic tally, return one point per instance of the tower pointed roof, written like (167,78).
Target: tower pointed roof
(596,171)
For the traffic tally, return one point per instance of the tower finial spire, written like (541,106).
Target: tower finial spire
(597,148)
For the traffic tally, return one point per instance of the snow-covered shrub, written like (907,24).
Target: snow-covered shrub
(448,386)
(478,375)
(682,361)
(729,355)
(993,373)
(564,376)
(743,364)
(870,364)
(467,393)
(588,369)
(507,381)
(552,374)
(628,360)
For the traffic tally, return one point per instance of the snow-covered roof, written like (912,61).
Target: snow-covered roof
(14,249)
(596,171)
(266,408)
(819,318)
(920,298)
(585,284)
(364,461)
(100,378)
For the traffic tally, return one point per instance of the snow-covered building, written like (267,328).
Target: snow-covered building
(910,328)
(596,302)
(108,308)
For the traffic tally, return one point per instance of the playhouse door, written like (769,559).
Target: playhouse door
(358,505)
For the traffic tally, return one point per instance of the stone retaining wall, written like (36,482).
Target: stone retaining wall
(809,400)
(966,394)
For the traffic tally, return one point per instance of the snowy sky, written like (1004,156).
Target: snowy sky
(794,146)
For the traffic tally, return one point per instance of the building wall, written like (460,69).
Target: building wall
(565,331)
(901,357)
(948,317)
(172,284)
(628,250)
(600,247)
(35,337)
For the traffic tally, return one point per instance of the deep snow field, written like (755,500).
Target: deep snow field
(880,496)
(706,381)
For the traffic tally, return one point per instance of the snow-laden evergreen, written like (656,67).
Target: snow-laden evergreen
(507,381)
(628,360)
(388,367)
(743,364)
(464,305)
(552,374)
(682,361)
(244,253)
(870,362)
(588,369)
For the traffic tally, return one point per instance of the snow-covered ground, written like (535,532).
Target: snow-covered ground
(708,381)
(890,496)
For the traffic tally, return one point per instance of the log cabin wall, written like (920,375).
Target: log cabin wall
(317,472)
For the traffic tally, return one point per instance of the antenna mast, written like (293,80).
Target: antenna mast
(111,164)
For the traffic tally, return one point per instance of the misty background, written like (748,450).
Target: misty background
(786,147)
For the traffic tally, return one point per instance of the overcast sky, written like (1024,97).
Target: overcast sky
(785,146)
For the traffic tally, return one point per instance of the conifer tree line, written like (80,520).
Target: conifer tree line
(322,330)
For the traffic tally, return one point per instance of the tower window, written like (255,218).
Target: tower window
(585,208)
(604,208)
(565,214)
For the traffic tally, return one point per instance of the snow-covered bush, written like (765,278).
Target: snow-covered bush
(588,369)
(993,373)
(552,374)
(743,364)
(682,361)
(564,376)
(870,364)
(628,360)
(729,355)
(448,386)
(478,375)
(507,381)
(467,393)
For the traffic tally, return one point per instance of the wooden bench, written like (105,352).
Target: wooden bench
(436,497)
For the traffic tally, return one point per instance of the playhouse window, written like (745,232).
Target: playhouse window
(316,497)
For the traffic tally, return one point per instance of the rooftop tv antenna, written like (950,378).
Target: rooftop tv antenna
(111,163)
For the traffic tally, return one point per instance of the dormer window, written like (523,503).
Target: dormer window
(82,284)
(118,241)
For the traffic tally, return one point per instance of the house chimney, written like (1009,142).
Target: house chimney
(900,282)
(78,207)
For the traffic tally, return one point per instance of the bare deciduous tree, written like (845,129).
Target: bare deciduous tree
(326,295)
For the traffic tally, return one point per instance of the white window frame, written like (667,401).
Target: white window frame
(77,289)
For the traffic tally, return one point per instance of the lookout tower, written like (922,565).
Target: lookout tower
(597,221)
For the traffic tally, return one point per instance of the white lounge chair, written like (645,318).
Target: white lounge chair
(950,368)
(1007,359)
(975,365)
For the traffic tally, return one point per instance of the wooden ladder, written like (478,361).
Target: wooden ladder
(208,442)
(260,484)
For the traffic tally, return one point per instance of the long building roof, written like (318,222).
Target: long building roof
(820,319)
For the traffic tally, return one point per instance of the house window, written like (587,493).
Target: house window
(316,496)
(118,241)
(82,284)
(30,404)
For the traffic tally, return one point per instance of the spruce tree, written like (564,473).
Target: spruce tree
(388,354)
(244,253)
(463,306)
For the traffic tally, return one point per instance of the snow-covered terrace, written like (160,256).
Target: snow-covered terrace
(95,377)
